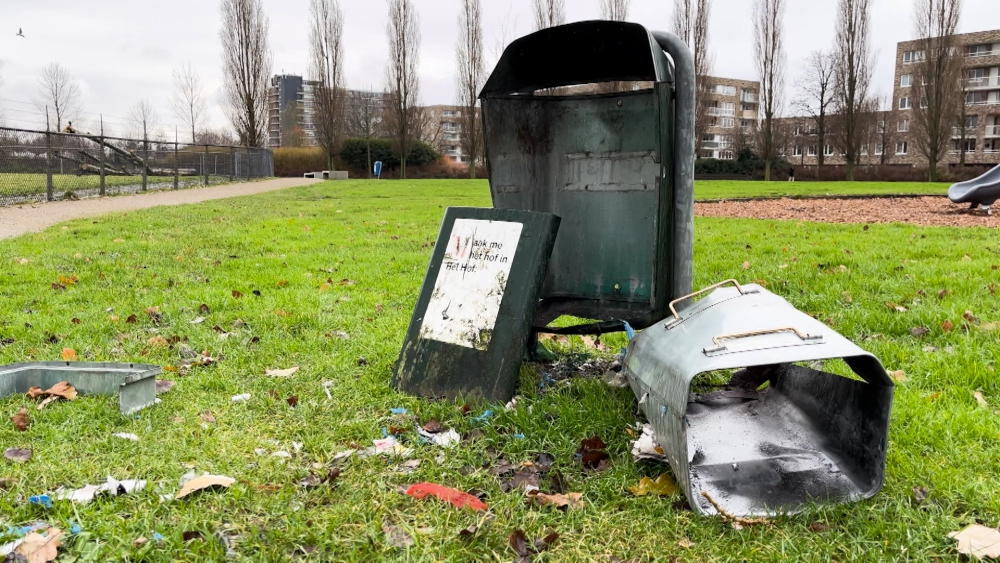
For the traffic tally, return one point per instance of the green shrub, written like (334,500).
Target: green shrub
(354,154)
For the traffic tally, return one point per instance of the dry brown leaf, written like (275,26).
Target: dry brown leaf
(282,313)
(570,500)
(326,287)
(61,389)
(37,548)
(685,543)
(746,265)
(978,541)
(158,341)
(898,376)
(847,297)
(282,283)
(69,354)
(947,326)
(281,372)
(204,482)
(207,417)
(35,392)
(21,420)
(970,317)
(918,331)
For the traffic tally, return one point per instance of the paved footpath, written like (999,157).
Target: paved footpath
(33,217)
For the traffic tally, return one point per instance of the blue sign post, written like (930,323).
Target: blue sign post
(378,169)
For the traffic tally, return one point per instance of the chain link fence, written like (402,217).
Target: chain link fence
(40,165)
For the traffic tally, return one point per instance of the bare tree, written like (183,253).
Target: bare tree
(852,77)
(364,118)
(326,38)
(549,13)
(471,76)
(615,10)
(59,93)
(769,55)
(246,58)
(403,83)
(502,37)
(690,23)
(188,99)
(292,134)
(887,132)
(934,80)
(143,121)
(816,94)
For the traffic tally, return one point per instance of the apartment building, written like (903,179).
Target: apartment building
(890,138)
(443,130)
(980,54)
(286,90)
(731,112)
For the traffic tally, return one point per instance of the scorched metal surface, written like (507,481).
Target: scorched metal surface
(808,436)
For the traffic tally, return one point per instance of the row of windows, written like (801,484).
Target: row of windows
(982,50)
(901,149)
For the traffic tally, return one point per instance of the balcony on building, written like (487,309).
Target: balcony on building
(721,112)
(993,130)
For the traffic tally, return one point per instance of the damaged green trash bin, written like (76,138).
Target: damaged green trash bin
(784,433)
(594,122)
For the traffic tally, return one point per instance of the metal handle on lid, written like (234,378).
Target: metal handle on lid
(803,336)
(699,292)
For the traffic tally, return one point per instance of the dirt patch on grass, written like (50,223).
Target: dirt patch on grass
(926,211)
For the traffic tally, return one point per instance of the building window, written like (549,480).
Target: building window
(747,107)
(901,147)
(728,123)
(913,57)
(903,126)
(812,150)
(904,103)
(923,101)
(828,150)
(878,149)
(906,80)
(972,121)
(978,50)
(977,97)
(725,90)
(796,151)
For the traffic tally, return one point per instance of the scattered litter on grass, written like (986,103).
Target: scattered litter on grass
(281,454)
(19,455)
(281,372)
(433,426)
(898,376)
(326,389)
(163,385)
(662,486)
(409,466)
(21,420)
(685,543)
(197,320)
(389,445)
(978,541)
(399,410)
(45,501)
(444,439)
(646,447)
(204,482)
(918,331)
(397,537)
(241,398)
(457,498)
(920,494)
(483,418)
(111,486)
(343,455)
(207,417)
(980,399)
(126,436)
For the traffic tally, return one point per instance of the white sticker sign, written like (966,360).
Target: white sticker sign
(470,285)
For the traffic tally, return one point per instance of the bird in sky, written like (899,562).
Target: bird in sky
(20,32)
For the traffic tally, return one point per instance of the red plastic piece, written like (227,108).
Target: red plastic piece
(454,496)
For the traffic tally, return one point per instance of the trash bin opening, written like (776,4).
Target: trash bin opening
(776,438)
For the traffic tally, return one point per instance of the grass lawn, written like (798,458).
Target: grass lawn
(287,244)
(13,185)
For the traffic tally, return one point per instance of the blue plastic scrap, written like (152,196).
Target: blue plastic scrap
(398,410)
(43,500)
(483,417)
(75,528)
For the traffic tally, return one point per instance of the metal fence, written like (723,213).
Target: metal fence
(40,165)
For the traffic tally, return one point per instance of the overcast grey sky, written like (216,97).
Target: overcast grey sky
(120,51)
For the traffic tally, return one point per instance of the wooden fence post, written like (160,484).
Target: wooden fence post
(48,159)
(102,189)
(204,164)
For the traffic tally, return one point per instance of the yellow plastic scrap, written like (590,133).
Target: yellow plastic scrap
(662,486)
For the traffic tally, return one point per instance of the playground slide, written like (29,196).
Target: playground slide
(984,190)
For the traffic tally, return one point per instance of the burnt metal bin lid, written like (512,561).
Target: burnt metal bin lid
(808,436)
(135,384)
